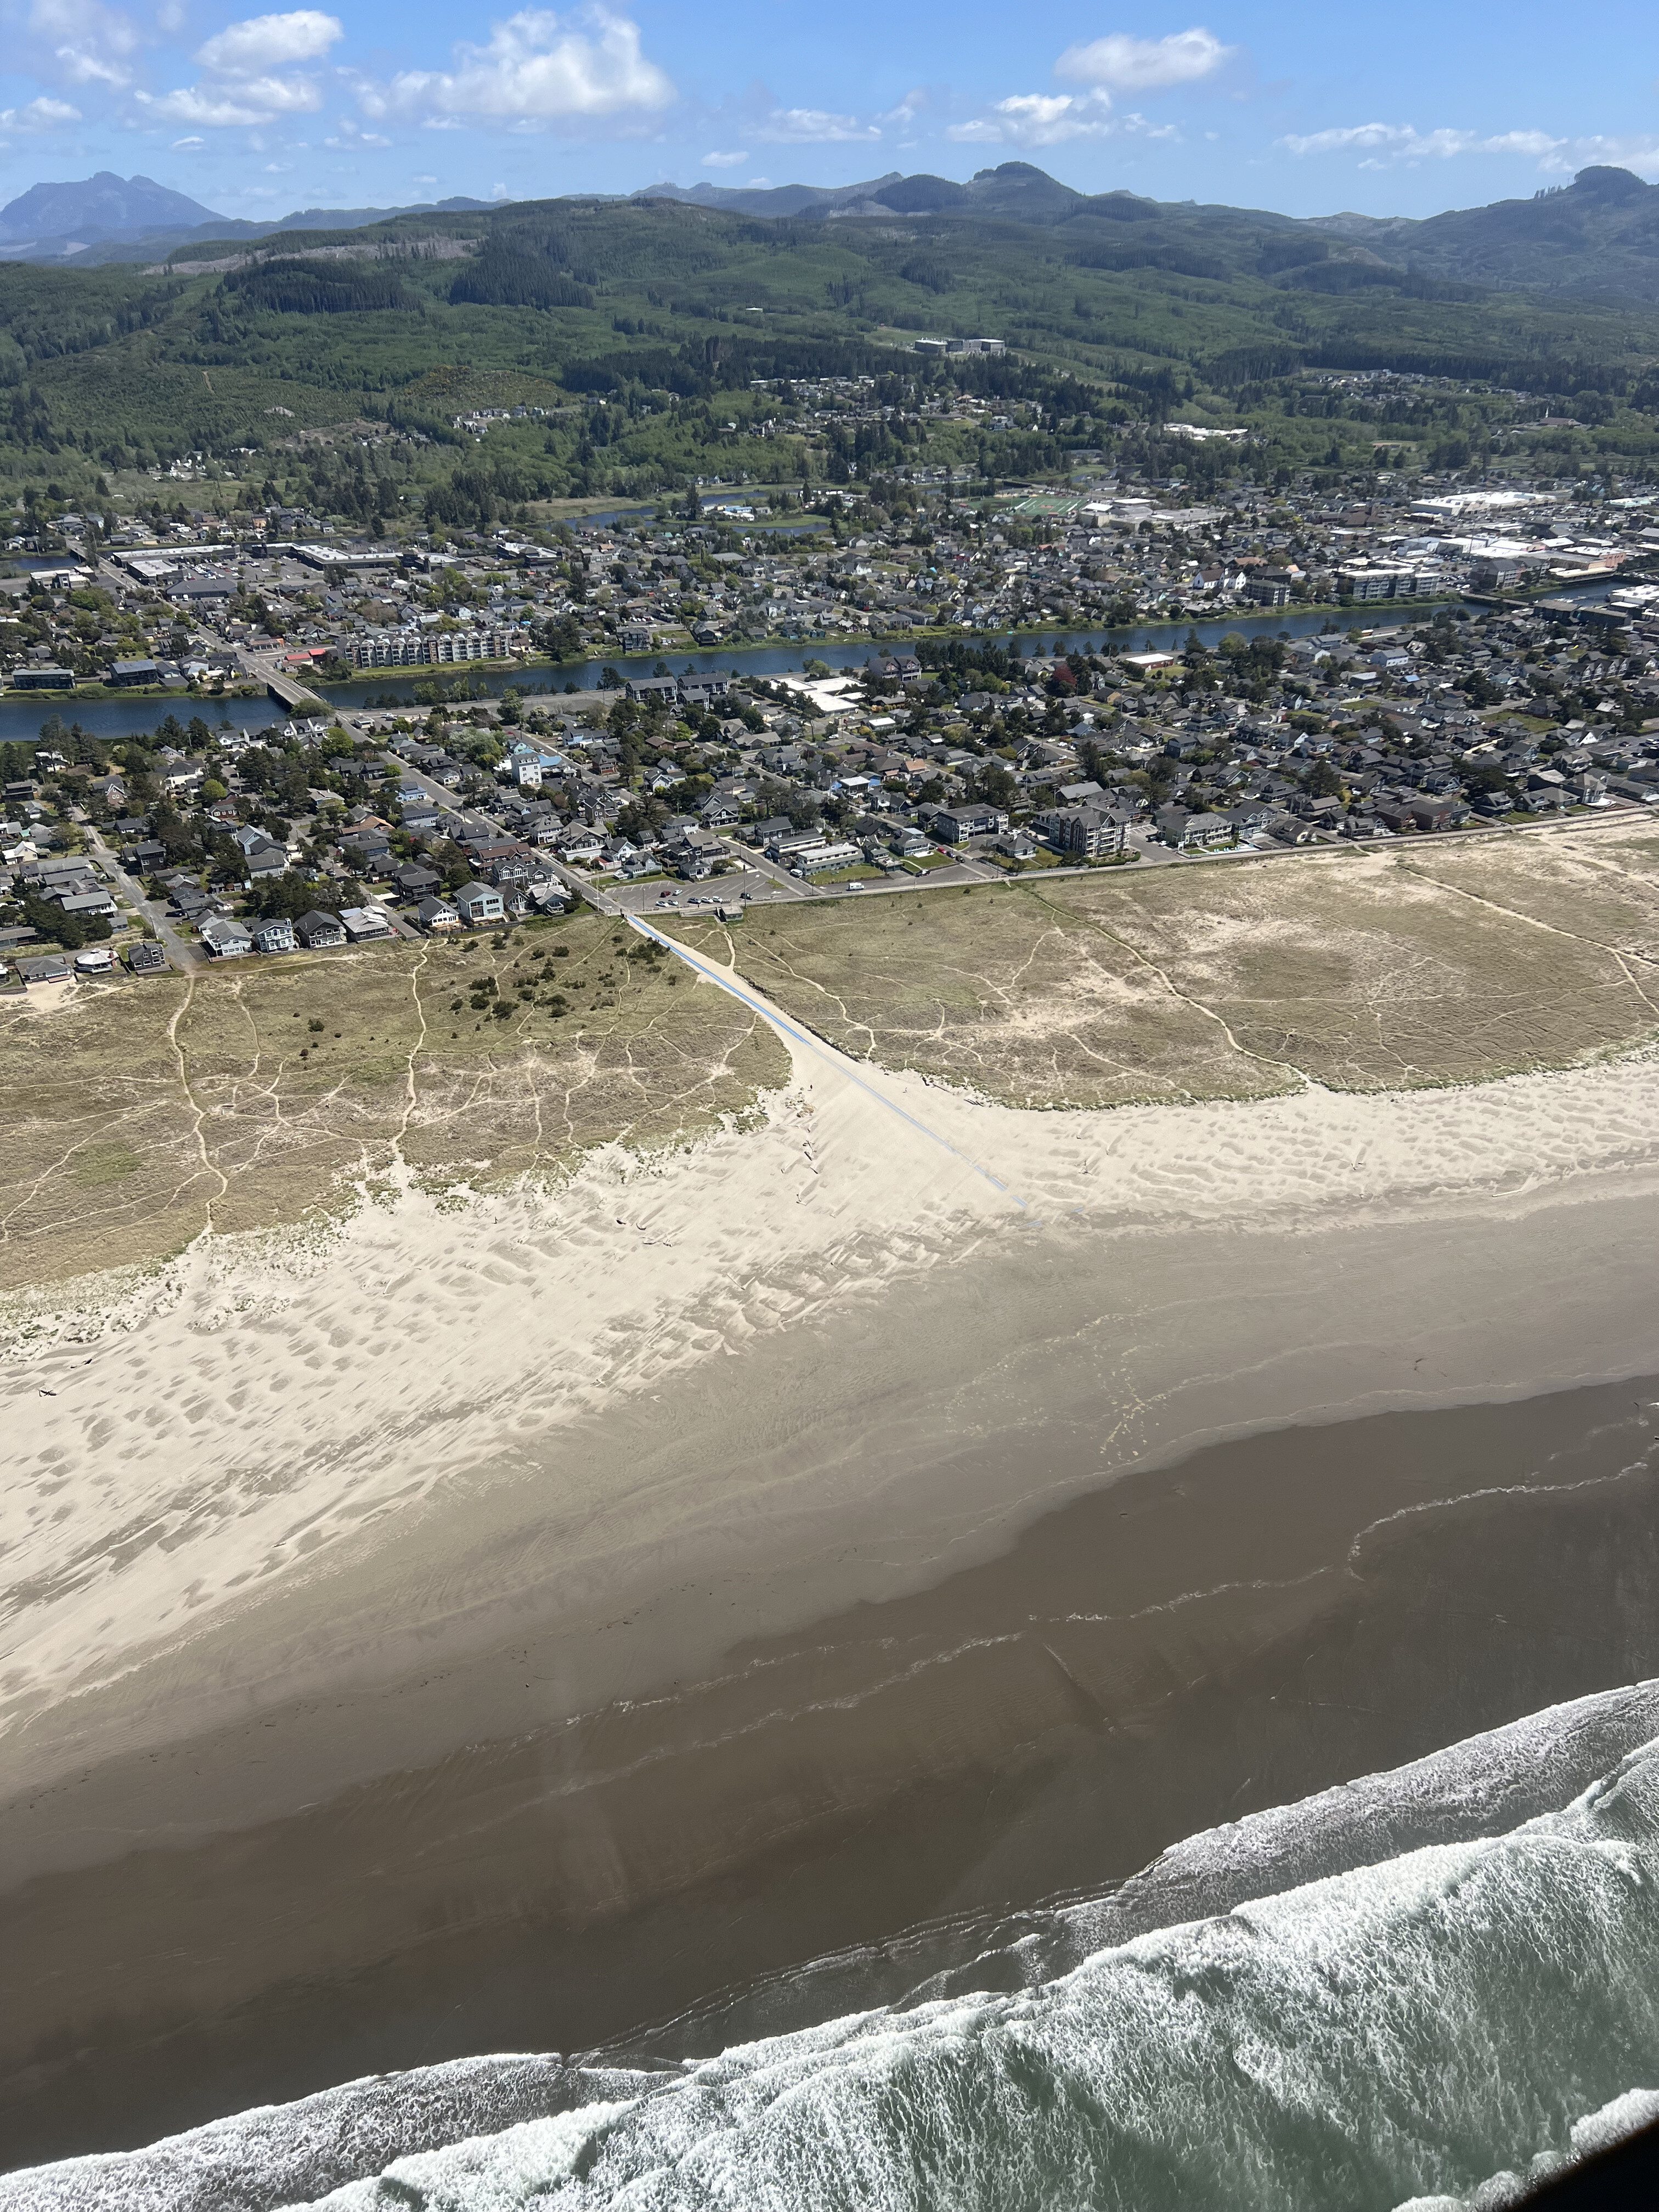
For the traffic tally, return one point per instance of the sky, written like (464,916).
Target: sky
(1303,108)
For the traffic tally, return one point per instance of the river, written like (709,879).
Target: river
(22,716)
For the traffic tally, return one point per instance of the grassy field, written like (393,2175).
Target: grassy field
(250,1096)
(255,1095)
(1441,964)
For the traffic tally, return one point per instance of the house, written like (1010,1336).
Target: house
(264,861)
(146,959)
(226,939)
(128,672)
(316,930)
(41,678)
(664,688)
(88,905)
(413,882)
(1087,833)
(1188,832)
(436,916)
(954,825)
(45,967)
(580,843)
(97,960)
(276,935)
(695,856)
(366,924)
(477,903)
(815,859)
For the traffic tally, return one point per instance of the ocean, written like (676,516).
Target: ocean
(1423,1983)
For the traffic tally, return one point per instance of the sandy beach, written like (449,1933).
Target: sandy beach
(496,1578)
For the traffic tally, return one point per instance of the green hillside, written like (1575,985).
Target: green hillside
(638,329)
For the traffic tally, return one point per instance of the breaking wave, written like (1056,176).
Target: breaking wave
(1428,1984)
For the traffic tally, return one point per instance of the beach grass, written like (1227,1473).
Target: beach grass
(1430,964)
(253,1094)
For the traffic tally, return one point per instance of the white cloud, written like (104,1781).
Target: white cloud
(1122,64)
(1386,145)
(243,86)
(1051,119)
(242,101)
(423,181)
(534,69)
(724,161)
(350,137)
(189,146)
(1396,140)
(40,115)
(1117,62)
(88,43)
(262,43)
(812,126)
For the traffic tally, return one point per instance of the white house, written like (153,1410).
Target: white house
(478,902)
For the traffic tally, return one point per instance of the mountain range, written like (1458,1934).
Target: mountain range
(1596,238)
(106,218)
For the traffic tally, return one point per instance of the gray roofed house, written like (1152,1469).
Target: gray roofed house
(45,967)
(437,914)
(316,930)
(478,903)
(226,939)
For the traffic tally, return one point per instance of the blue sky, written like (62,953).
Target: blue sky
(1305,108)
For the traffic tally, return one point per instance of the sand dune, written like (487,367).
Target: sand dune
(270,1408)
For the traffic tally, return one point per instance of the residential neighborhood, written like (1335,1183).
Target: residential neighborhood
(961,761)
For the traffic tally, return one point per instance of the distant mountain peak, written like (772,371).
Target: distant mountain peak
(99,207)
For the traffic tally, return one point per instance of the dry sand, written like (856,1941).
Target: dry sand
(266,1412)
(302,1514)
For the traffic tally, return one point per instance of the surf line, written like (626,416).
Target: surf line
(768,1013)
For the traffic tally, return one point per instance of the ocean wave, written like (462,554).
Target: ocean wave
(1432,2018)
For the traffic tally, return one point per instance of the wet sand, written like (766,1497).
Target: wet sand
(1274,1615)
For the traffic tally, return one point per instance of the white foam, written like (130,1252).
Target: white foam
(1419,2028)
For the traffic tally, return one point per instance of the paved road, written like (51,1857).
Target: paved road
(181,952)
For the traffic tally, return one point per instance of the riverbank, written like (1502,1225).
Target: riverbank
(507,1621)
(105,714)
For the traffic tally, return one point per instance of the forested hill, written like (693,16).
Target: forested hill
(1596,237)
(1118,313)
